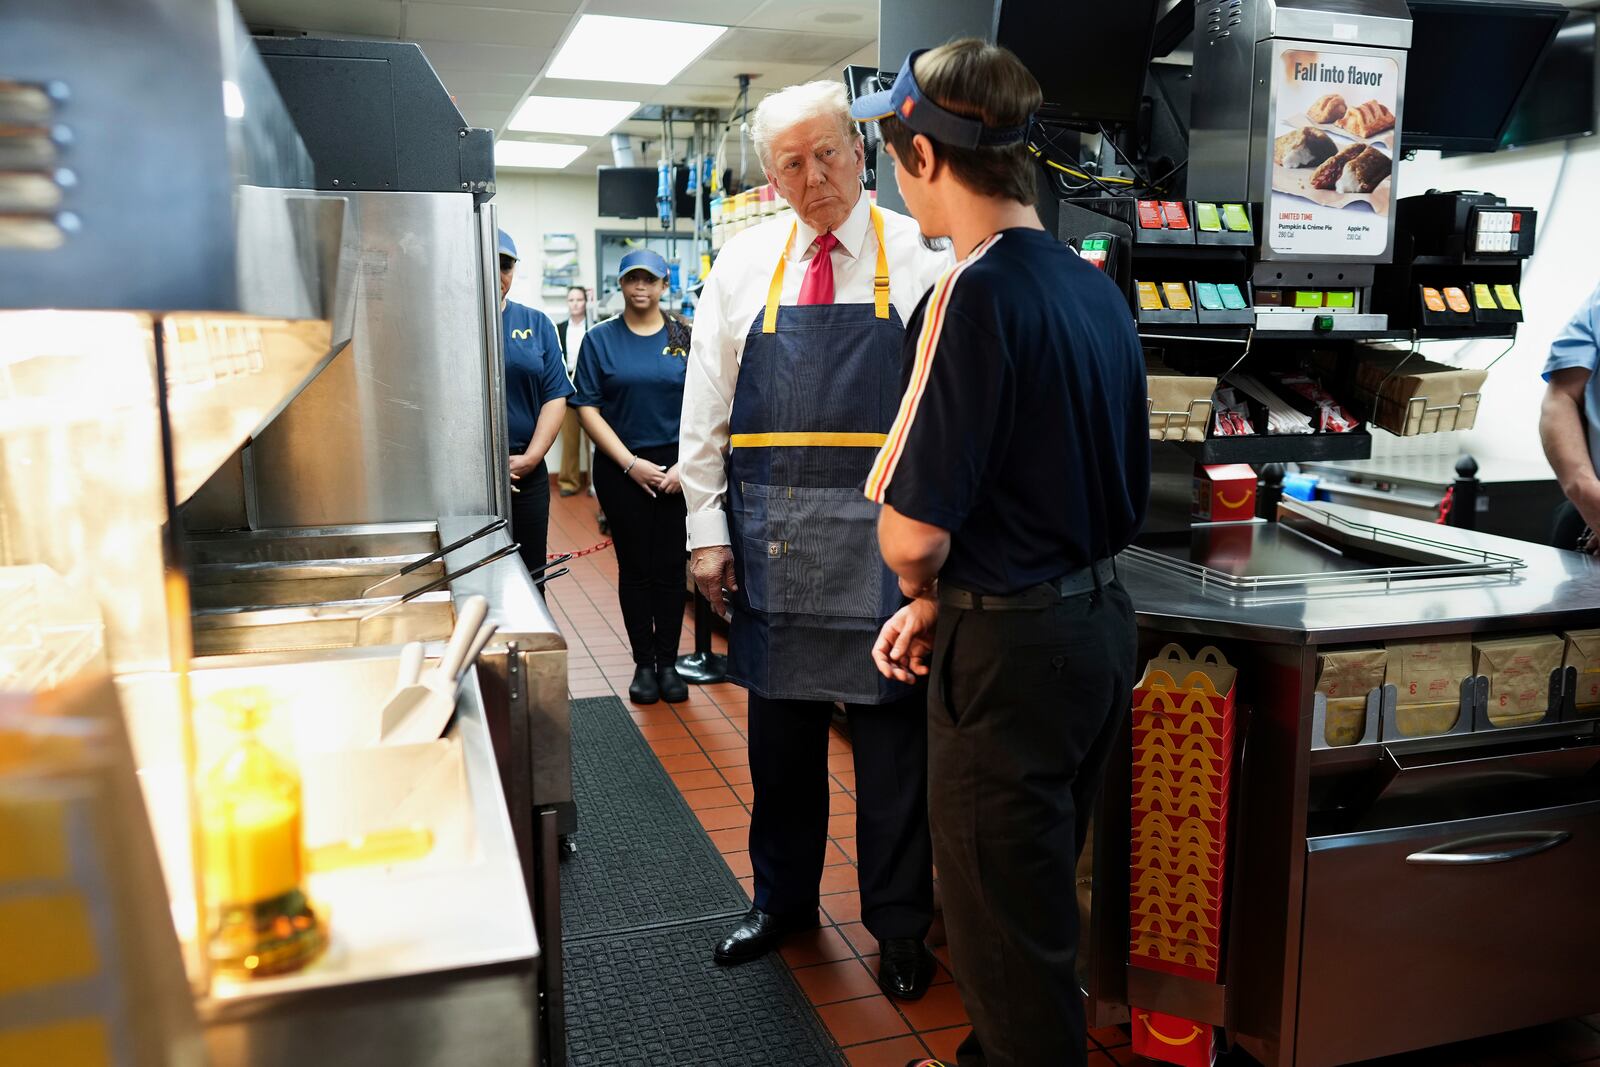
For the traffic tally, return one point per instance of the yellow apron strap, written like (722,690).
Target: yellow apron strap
(769,323)
(880,280)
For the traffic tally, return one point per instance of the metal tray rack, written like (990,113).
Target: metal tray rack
(1309,552)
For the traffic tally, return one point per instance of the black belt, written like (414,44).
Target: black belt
(1043,595)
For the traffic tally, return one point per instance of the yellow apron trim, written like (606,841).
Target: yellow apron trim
(880,279)
(808,440)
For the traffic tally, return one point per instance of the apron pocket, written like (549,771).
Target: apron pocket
(829,563)
(762,560)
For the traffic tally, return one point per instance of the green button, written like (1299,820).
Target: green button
(1324,324)
(1342,298)
(1096,244)
(1236,218)
(1304,299)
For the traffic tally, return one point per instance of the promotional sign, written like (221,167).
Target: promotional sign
(1334,126)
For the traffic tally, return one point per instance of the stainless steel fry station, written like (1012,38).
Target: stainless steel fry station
(260,390)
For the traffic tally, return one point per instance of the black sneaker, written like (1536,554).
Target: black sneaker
(645,689)
(674,690)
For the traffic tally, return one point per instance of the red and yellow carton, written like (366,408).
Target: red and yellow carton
(1168,1038)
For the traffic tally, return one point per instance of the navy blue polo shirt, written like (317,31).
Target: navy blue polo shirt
(1023,428)
(535,371)
(636,382)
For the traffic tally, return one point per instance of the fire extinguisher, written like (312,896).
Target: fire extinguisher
(664,192)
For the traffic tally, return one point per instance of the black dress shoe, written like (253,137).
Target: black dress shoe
(905,967)
(759,933)
(645,689)
(674,690)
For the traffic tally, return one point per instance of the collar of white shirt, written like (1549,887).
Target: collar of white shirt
(852,232)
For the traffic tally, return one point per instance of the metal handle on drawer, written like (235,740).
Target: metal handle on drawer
(1450,855)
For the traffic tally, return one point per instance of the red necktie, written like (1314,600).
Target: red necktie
(817,288)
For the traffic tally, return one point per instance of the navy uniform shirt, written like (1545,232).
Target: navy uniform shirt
(636,382)
(535,372)
(1023,428)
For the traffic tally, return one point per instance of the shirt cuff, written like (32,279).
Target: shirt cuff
(708,529)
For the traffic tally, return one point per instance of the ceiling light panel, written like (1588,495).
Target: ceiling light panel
(540,155)
(563,114)
(635,51)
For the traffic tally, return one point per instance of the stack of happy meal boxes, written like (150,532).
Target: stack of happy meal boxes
(1183,752)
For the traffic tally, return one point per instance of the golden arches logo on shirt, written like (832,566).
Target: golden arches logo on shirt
(675,352)
(521,335)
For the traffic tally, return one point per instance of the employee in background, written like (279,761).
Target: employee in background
(793,380)
(1017,467)
(630,394)
(574,443)
(1569,425)
(537,388)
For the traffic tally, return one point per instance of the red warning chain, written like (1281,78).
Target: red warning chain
(591,550)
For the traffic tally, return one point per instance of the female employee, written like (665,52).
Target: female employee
(630,395)
(536,392)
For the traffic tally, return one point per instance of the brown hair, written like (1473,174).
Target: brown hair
(983,81)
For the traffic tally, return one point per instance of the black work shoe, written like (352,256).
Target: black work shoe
(674,690)
(644,689)
(905,967)
(759,933)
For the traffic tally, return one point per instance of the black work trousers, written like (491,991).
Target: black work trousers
(530,517)
(789,819)
(1023,711)
(650,541)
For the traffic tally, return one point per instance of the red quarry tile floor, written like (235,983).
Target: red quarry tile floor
(701,744)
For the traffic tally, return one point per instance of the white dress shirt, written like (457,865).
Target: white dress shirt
(735,295)
(576,328)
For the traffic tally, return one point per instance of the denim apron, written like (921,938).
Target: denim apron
(819,386)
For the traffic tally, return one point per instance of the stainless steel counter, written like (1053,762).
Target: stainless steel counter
(1553,590)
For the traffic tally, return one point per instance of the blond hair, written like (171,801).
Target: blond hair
(796,104)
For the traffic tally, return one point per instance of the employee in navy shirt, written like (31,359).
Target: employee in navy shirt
(630,397)
(1018,466)
(536,402)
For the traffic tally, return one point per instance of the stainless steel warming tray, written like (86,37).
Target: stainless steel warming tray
(1311,551)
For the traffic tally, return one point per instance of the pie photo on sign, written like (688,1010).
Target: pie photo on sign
(1368,120)
(1305,147)
(1364,173)
(1330,108)
(1327,175)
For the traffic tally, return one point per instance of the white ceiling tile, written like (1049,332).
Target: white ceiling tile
(493,58)
(560,7)
(479,102)
(591,90)
(482,25)
(840,16)
(478,81)
(368,18)
(714,12)
(786,47)
(770,75)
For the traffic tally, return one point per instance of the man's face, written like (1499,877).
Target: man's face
(577,303)
(918,194)
(642,290)
(508,268)
(817,168)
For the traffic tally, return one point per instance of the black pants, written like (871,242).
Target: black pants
(1024,709)
(650,541)
(789,820)
(530,516)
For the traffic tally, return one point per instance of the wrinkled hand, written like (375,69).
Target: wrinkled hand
(906,642)
(521,464)
(712,569)
(671,483)
(646,475)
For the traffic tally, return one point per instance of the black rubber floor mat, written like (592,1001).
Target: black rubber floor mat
(656,998)
(642,858)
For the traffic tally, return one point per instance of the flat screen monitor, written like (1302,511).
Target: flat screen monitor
(1468,65)
(1560,101)
(1090,58)
(627,192)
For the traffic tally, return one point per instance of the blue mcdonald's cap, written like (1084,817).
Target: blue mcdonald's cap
(508,247)
(645,260)
(904,100)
